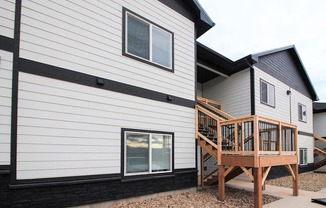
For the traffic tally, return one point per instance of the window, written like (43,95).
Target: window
(302,112)
(267,93)
(148,42)
(303,156)
(147,152)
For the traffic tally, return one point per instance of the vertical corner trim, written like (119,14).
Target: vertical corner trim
(252,91)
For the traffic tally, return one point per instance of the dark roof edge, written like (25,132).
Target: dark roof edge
(204,20)
(263,53)
(215,53)
(203,14)
(319,107)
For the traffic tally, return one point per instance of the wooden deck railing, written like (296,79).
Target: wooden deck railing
(252,135)
(256,135)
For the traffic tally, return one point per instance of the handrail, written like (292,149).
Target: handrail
(215,110)
(320,138)
(208,101)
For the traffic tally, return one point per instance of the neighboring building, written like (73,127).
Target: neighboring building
(320,132)
(88,89)
(272,84)
(319,119)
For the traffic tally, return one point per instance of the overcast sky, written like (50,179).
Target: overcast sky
(245,27)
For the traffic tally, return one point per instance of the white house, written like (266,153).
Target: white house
(274,84)
(97,99)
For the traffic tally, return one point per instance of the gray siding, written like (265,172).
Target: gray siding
(320,124)
(281,66)
(232,92)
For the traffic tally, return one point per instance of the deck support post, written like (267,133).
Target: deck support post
(258,189)
(295,179)
(221,182)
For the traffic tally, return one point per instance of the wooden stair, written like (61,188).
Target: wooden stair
(213,180)
(320,152)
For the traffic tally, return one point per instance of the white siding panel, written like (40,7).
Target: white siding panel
(78,128)
(7,18)
(5,104)
(232,92)
(320,124)
(286,109)
(309,143)
(85,36)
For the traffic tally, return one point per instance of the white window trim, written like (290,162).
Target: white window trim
(151,25)
(269,100)
(305,151)
(304,117)
(150,153)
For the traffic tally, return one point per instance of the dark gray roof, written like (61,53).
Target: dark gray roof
(226,66)
(296,58)
(319,107)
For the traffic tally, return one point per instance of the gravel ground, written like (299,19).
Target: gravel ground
(203,198)
(207,197)
(309,181)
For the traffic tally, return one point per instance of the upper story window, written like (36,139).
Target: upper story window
(146,41)
(267,93)
(147,152)
(302,110)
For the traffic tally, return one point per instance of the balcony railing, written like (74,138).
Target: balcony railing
(252,135)
(256,135)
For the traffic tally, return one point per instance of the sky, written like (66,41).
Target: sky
(244,27)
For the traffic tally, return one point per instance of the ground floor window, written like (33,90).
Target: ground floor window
(147,152)
(303,156)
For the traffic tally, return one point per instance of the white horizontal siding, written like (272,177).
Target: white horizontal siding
(65,129)
(5,105)
(286,106)
(7,18)
(286,109)
(232,92)
(320,124)
(309,143)
(86,36)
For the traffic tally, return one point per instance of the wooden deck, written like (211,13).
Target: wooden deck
(241,144)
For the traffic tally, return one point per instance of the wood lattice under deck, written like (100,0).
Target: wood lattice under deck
(239,144)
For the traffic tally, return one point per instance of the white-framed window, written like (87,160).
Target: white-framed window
(147,153)
(302,112)
(267,93)
(147,41)
(303,156)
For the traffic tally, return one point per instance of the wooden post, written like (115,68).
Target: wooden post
(280,138)
(221,182)
(201,168)
(295,179)
(256,142)
(258,192)
(236,139)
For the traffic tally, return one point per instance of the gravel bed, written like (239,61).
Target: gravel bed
(309,181)
(206,197)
